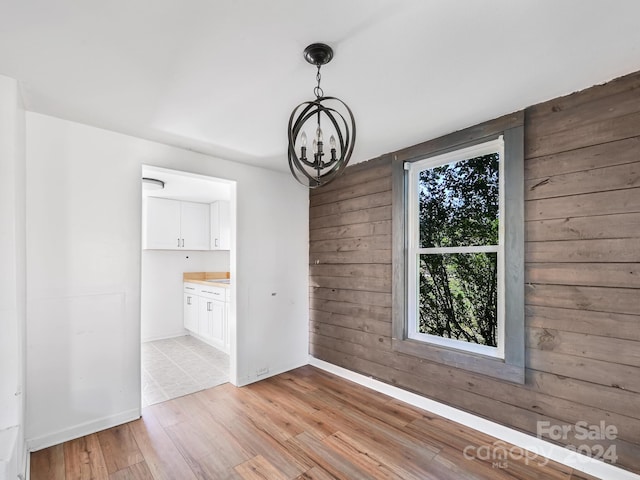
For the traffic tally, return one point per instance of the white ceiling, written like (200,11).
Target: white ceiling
(186,186)
(222,77)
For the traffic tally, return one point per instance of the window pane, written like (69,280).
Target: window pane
(458,203)
(459,296)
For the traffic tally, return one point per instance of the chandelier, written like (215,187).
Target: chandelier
(318,167)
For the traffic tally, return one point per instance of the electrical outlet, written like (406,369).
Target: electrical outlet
(262,371)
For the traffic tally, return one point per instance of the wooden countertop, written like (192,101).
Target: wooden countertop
(210,282)
(207,278)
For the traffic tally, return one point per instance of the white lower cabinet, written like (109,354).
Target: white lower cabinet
(205,314)
(211,321)
(190,311)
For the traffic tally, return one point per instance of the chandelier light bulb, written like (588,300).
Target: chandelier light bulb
(303,139)
(315,146)
(332,142)
(319,134)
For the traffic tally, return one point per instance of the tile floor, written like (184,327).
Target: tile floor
(178,366)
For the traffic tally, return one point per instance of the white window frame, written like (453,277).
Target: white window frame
(414,251)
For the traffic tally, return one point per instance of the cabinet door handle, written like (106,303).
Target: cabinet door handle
(188,300)
(216,242)
(208,306)
(178,243)
(183,242)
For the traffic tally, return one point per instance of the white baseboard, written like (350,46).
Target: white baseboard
(209,342)
(77,431)
(183,333)
(247,379)
(533,444)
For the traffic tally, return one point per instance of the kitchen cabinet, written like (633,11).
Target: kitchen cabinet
(206,317)
(211,320)
(220,220)
(190,307)
(175,225)
(226,323)
(161,222)
(194,226)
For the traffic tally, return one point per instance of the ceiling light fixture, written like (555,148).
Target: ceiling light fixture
(339,125)
(152,184)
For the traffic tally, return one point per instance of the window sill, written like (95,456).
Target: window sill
(491,367)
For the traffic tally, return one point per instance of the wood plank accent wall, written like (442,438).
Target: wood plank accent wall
(582,188)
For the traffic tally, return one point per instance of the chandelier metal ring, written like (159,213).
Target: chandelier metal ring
(318,172)
(314,171)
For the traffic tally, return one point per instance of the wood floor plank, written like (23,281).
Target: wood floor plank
(253,438)
(294,382)
(168,413)
(250,431)
(259,468)
(186,408)
(274,422)
(534,468)
(305,425)
(299,412)
(253,435)
(457,439)
(357,399)
(439,432)
(450,464)
(214,467)
(315,473)
(375,463)
(278,397)
(119,448)
(330,460)
(163,458)
(83,459)
(395,445)
(139,471)
(48,463)
(206,445)
(577,475)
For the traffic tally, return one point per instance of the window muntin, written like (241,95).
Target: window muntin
(456,249)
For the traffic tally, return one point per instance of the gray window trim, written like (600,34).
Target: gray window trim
(511,368)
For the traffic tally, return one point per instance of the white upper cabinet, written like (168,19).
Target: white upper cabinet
(220,225)
(194,226)
(162,224)
(175,225)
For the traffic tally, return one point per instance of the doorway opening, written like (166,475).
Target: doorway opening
(187,283)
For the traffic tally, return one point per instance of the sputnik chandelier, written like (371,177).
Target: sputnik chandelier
(328,113)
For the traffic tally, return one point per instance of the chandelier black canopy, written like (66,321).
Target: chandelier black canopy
(321,117)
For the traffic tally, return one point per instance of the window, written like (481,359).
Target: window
(455,253)
(458,249)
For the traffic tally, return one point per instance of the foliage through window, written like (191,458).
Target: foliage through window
(455,250)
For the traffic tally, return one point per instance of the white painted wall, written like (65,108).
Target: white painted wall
(12,278)
(83,276)
(162,270)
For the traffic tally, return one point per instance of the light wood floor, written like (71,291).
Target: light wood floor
(305,424)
